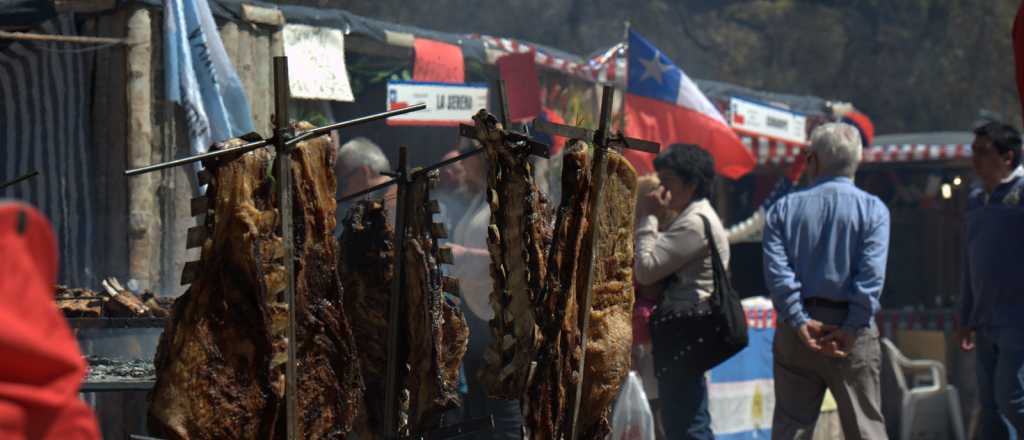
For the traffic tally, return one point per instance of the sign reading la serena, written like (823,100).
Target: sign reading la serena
(447,104)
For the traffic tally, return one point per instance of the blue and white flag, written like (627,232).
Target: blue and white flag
(200,77)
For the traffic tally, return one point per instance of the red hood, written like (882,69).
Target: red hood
(39,386)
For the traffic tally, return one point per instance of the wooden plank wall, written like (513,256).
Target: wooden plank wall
(144,233)
(108,127)
(147,217)
(249,48)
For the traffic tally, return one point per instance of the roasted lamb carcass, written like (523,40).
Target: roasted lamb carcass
(221,360)
(433,331)
(610,332)
(553,384)
(516,242)
(609,336)
(437,331)
(367,269)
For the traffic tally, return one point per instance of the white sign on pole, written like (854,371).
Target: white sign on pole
(760,119)
(447,104)
(316,63)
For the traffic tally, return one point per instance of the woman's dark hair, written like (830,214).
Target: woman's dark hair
(693,164)
(1004,138)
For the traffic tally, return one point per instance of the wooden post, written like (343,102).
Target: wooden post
(260,102)
(229,37)
(109,131)
(144,219)
(244,65)
(277,42)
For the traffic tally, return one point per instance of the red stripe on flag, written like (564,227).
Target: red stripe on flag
(666,123)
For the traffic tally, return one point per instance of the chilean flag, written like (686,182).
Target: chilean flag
(664,105)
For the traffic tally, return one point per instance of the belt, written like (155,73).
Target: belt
(826,303)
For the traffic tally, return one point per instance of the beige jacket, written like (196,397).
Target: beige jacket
(680,252)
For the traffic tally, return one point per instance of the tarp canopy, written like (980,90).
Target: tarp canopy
(606,65)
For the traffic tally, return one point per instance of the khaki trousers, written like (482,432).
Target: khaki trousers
(801,377)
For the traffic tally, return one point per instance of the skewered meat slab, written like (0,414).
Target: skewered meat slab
(434,332)
(437,332)
(554,382)
(610,334)
(221,360)
(367,269)
(516,238)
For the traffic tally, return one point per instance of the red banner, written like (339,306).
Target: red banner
(438,62)
(521,85)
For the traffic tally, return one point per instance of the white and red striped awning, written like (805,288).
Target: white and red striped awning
(916,153)
(609,67)
(772,152)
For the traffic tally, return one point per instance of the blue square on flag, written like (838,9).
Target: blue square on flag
(651,73)
(665,106)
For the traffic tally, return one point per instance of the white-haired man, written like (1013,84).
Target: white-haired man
(825,250)
(360,166)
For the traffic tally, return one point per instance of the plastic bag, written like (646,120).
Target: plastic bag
(632,418)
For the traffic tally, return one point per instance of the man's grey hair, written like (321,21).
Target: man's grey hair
(361,152)
(838,149)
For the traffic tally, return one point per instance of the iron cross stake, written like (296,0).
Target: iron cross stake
(602,142)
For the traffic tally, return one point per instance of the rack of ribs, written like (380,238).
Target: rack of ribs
(516,242)
(434,332)
(221,359)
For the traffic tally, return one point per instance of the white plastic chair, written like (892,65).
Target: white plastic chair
(926,408)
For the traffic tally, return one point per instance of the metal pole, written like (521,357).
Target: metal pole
(282,130)
(600,169)
(625,51)
(19,179)
(187,160)
(27,36)
(290,142)
(504,116)
(395,304)
(414,173)
(361,120)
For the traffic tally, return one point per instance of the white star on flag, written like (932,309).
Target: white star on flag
(653,68)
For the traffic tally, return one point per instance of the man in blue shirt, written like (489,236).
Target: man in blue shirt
(992,307)
(825,251)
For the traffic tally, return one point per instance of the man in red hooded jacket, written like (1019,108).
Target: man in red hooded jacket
(41,366)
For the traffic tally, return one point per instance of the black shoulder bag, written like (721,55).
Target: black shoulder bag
(696,340)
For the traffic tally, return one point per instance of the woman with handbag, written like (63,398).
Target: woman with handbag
(694,326)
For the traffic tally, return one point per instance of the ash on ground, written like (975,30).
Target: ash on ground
(104,369)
